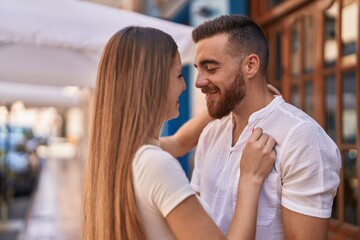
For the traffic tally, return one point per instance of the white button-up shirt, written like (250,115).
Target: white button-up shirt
(304,179)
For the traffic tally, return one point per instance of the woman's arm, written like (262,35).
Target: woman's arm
(189,220)
(256,163)
(186,137)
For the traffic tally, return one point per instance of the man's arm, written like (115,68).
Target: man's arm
(186,137)
(310,177)
(299,226)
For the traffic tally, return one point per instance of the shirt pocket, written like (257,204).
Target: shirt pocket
(268,199)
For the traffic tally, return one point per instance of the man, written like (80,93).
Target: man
(295,202)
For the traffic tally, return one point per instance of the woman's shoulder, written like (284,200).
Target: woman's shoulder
(154,158)
(155,170)
(149,152)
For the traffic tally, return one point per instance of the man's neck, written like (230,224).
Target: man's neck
(256,98)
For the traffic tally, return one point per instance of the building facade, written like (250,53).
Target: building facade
(314,61)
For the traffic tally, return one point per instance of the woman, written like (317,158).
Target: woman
(132,188)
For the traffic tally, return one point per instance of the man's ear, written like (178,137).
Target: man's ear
(251,65)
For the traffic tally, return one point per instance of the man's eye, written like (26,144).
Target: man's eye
(180,76)
(211,70)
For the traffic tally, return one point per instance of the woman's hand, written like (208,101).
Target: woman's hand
(256,162)
(186,137)
(258,157)
(273,89)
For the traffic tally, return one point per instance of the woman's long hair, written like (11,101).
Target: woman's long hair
(129,103)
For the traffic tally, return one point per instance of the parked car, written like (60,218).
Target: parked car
(21,164)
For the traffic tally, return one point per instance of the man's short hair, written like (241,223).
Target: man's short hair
(245,36)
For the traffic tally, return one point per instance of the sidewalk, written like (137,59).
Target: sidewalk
(16,212)
(56,208)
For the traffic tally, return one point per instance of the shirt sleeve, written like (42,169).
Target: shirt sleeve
(161,180)
(310,171)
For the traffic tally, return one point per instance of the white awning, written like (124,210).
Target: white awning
(59,42)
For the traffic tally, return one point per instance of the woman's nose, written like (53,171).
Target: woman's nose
(184,84)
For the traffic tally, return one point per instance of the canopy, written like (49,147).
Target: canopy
(59,42)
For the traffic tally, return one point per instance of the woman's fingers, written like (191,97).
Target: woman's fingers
(270,144)
(256,134)
(273,89)
(258,156)
(263,139)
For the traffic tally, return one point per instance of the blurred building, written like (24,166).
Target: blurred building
(157,8)
(314,61)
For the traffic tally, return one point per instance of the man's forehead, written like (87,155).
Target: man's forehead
(210,51)
(217,41)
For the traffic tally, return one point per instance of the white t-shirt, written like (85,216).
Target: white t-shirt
(160,184)
(304,179)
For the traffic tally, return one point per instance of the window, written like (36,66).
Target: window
(273,3)
(330,106)
(308,44)
(349,31)
(349,119)
(330,45)
(309,97)
(314,54)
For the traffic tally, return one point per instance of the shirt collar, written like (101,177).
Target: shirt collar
(264,112)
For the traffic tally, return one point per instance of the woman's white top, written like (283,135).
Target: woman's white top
(160,185)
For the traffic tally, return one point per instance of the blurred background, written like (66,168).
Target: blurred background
(49,51)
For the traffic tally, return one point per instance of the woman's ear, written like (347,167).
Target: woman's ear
(252,65)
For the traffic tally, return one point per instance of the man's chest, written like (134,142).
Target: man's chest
(219,188)
(220,172)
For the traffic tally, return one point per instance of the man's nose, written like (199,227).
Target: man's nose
(201,81)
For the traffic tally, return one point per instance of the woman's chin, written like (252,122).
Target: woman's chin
(172,116)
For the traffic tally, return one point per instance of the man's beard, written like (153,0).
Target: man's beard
(231,97)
